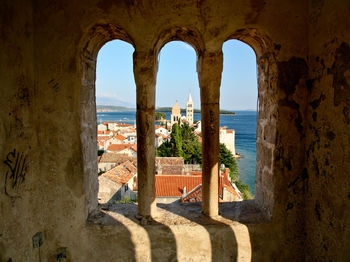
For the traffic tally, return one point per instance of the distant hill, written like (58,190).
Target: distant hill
(168,109)
(100,108)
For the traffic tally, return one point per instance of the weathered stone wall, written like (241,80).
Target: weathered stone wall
(47,71)
(328,136)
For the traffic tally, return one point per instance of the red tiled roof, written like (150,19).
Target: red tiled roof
(120,147)
(173,185)
(104,132)
(193,196)
(169,161)
(103,138)
(117,158)
(232,190)
(123,124)
(121,174)
(120,137)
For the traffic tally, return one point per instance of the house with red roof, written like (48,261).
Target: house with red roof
(109,160)
(118,183)
(188,188)
(227,191)
(104,133)
(116,126)
(102,127)
(126,149)
(170,188)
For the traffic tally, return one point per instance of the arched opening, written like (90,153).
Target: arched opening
(238,115)
(116,123)
(178,138)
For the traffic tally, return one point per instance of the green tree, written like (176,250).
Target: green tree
(229,161)
(176,141)
(164,150)
(244,188)
(160,115)
(183,143)
(192,149)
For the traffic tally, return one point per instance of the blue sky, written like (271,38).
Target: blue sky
(177,76)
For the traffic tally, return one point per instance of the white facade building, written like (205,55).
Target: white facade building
(162,131)
(102,127)
(227,137)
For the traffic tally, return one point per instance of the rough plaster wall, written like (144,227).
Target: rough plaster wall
(327,148)
(18,143)
(50,119)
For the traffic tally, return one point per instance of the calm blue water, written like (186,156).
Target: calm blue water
(244,122)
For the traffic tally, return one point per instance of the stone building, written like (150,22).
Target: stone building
(118,183)
(227,137)
(48,167)
(189,110)
(175,114)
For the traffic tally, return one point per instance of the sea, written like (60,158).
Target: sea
(244,122)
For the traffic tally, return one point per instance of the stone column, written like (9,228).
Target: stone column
(145,71)
(209,74)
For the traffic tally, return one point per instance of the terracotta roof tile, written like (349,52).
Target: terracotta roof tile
(195,195)
(122,173)
(103,138)
(120,147)
(169,161)
(120,137)
(173,185)
(123,124)
(117,158)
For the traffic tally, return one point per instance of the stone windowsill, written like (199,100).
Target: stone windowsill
(246,212)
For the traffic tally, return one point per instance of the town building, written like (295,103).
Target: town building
(109,160)
(188,188)
(227,137)
(102,127)
(124,149)
(118,183)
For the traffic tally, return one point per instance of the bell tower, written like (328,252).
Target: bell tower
(189,110)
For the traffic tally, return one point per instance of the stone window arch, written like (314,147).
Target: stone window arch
(267,114)
(209,68)
(92,42)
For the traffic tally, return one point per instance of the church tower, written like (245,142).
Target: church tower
(189,110)
(175,114)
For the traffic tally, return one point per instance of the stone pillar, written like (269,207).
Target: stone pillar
(209,74)
(145,71)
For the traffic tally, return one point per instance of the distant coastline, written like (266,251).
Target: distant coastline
(102,108)
(168,109)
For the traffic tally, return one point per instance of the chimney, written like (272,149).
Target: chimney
(226,175)
(184,193)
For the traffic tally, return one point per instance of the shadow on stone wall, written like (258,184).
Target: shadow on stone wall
(222,237)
